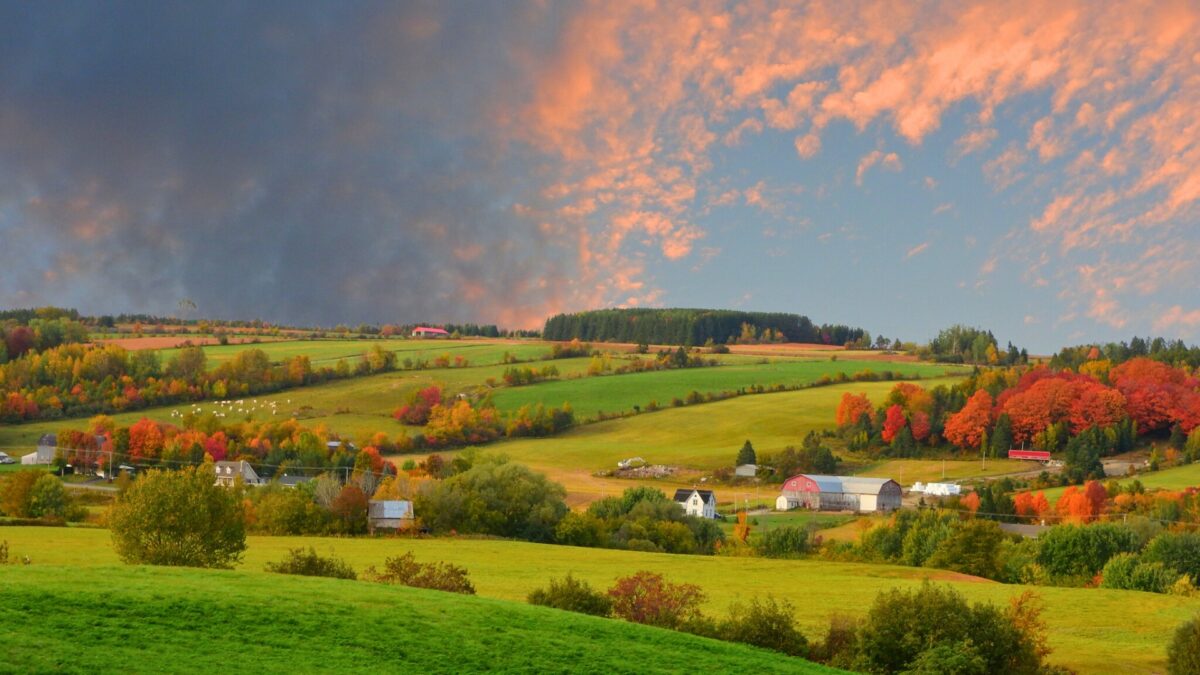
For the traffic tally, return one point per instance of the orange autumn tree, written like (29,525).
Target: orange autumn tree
(966,427)
(1031,505)
(970,502)
(911,397)
(741,531)
(1081,506)
(851,409)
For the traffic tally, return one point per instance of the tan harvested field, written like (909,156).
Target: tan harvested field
(173,341)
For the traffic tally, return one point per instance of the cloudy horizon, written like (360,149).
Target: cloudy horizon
(1031,170)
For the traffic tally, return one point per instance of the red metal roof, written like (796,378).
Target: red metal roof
(426,329)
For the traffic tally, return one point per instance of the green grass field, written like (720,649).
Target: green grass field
(620,393)
(122,619)
(1090,630)
(1176,478)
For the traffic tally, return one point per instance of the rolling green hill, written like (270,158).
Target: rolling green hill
(130,619)
(1091,630)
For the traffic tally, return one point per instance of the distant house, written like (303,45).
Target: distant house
(47,448)
(699,503)
(426,331)
(389,514)
(745,470)
(839,493)
(228,472)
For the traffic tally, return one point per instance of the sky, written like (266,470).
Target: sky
(1031,168)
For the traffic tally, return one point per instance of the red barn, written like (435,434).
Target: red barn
(426,331)
(1035,455)
(839,493)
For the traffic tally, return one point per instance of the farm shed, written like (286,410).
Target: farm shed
(840,493)
(47,447)
(389,514)
(426,331)
(699,503)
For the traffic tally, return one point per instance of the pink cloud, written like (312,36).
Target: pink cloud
(889,161)
(635,97)
(1176,316)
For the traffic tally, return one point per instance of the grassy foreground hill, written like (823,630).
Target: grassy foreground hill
(1091,630)
(142,619)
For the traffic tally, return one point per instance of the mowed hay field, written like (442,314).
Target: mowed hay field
(1090,630)
(123,619)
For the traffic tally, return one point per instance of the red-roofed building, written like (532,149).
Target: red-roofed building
(425,331)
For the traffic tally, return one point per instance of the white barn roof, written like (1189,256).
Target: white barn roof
(857,485)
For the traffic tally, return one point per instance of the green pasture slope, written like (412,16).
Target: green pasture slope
(1090,630)
(701,436)
(142,619)
(619,393)
(1176,478)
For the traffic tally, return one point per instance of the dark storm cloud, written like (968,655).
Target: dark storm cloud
(309,163)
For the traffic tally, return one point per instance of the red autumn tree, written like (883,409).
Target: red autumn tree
(920,425)
(966,427)
(419,405)
(893,422)
(646,597)
(1095,405)
(852,408)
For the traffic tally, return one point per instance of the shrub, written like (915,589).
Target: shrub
(406,571)
(769,623)
(973,547)
(1183,654)
(784,542)
(1081,551)
(496,497)
(648,598)
(309,564)
(178,518)
(48,497)
(901,625)
(1125,571)
(1178,550)
(957,658)
(572,595)
(840,643)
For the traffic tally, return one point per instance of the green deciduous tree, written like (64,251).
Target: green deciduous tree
(178,518)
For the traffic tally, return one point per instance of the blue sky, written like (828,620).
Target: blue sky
(901,167)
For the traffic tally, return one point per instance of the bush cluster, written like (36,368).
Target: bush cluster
(310,564)
(406,571)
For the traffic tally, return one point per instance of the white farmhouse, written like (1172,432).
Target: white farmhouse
(228,472)
(699,503)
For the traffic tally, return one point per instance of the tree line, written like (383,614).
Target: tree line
(694,327)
